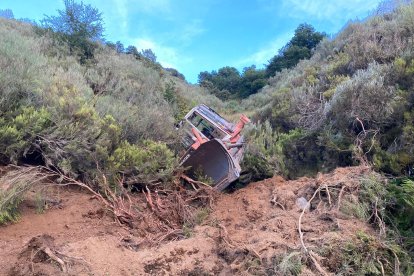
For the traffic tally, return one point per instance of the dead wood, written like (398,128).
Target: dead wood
(41,249)
(55,258)
(275,202)
(313,256)
(192,182)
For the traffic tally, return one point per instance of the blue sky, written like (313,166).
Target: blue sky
(204,35)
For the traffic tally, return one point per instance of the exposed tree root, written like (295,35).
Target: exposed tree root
(194,182)
(54,257)
(41,249)
(121,209)
(275,202)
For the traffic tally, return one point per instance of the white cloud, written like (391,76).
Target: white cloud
(119,12)
(167,56)
(328,10)
(115,16)
(191,30)
(263,55)
(151,6)
(122,10)
(336,13)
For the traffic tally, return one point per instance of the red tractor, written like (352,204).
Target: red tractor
(214,146)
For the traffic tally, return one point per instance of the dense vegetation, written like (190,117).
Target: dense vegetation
(351,102)
(71,103)
(227,83)
(87,108)
(299,47)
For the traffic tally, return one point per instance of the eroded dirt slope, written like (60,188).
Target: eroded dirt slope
(245,232)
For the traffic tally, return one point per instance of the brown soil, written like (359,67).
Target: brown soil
(245,230)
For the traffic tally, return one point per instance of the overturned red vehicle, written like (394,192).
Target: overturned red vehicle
(214,146)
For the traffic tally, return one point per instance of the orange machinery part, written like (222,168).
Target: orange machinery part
(200,140)
(240,125)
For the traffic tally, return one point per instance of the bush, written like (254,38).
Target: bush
(260,159)
(289,263)
(353,96)
(400,212)
(366,96)
(147,164)
(18,134)
(372,196)
(71,117)
(132,94)
(177,102)
(22,68)
(81,146)
(291,154)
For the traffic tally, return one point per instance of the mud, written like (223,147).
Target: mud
(246,232)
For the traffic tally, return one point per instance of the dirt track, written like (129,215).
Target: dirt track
(245,231)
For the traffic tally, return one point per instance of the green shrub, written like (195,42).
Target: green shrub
(365,255)
(255,166)
(81,146)
(201,215)
(179,105)
(259,161)
(339,64)
(334,81)
(396,158)
(22,67)
(400,212)
(405,17)
(392,203)
(10,141)
(133,95)
(291,154)
(279,113)
(291,264)
(403,71)
(19,133)
(372,197)
(365,96)
(146,164)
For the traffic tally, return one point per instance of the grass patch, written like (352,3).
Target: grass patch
(365,255)
(13,186)
(201,215)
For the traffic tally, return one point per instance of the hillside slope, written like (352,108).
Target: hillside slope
(352,100)
(253,231)
(105,122)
